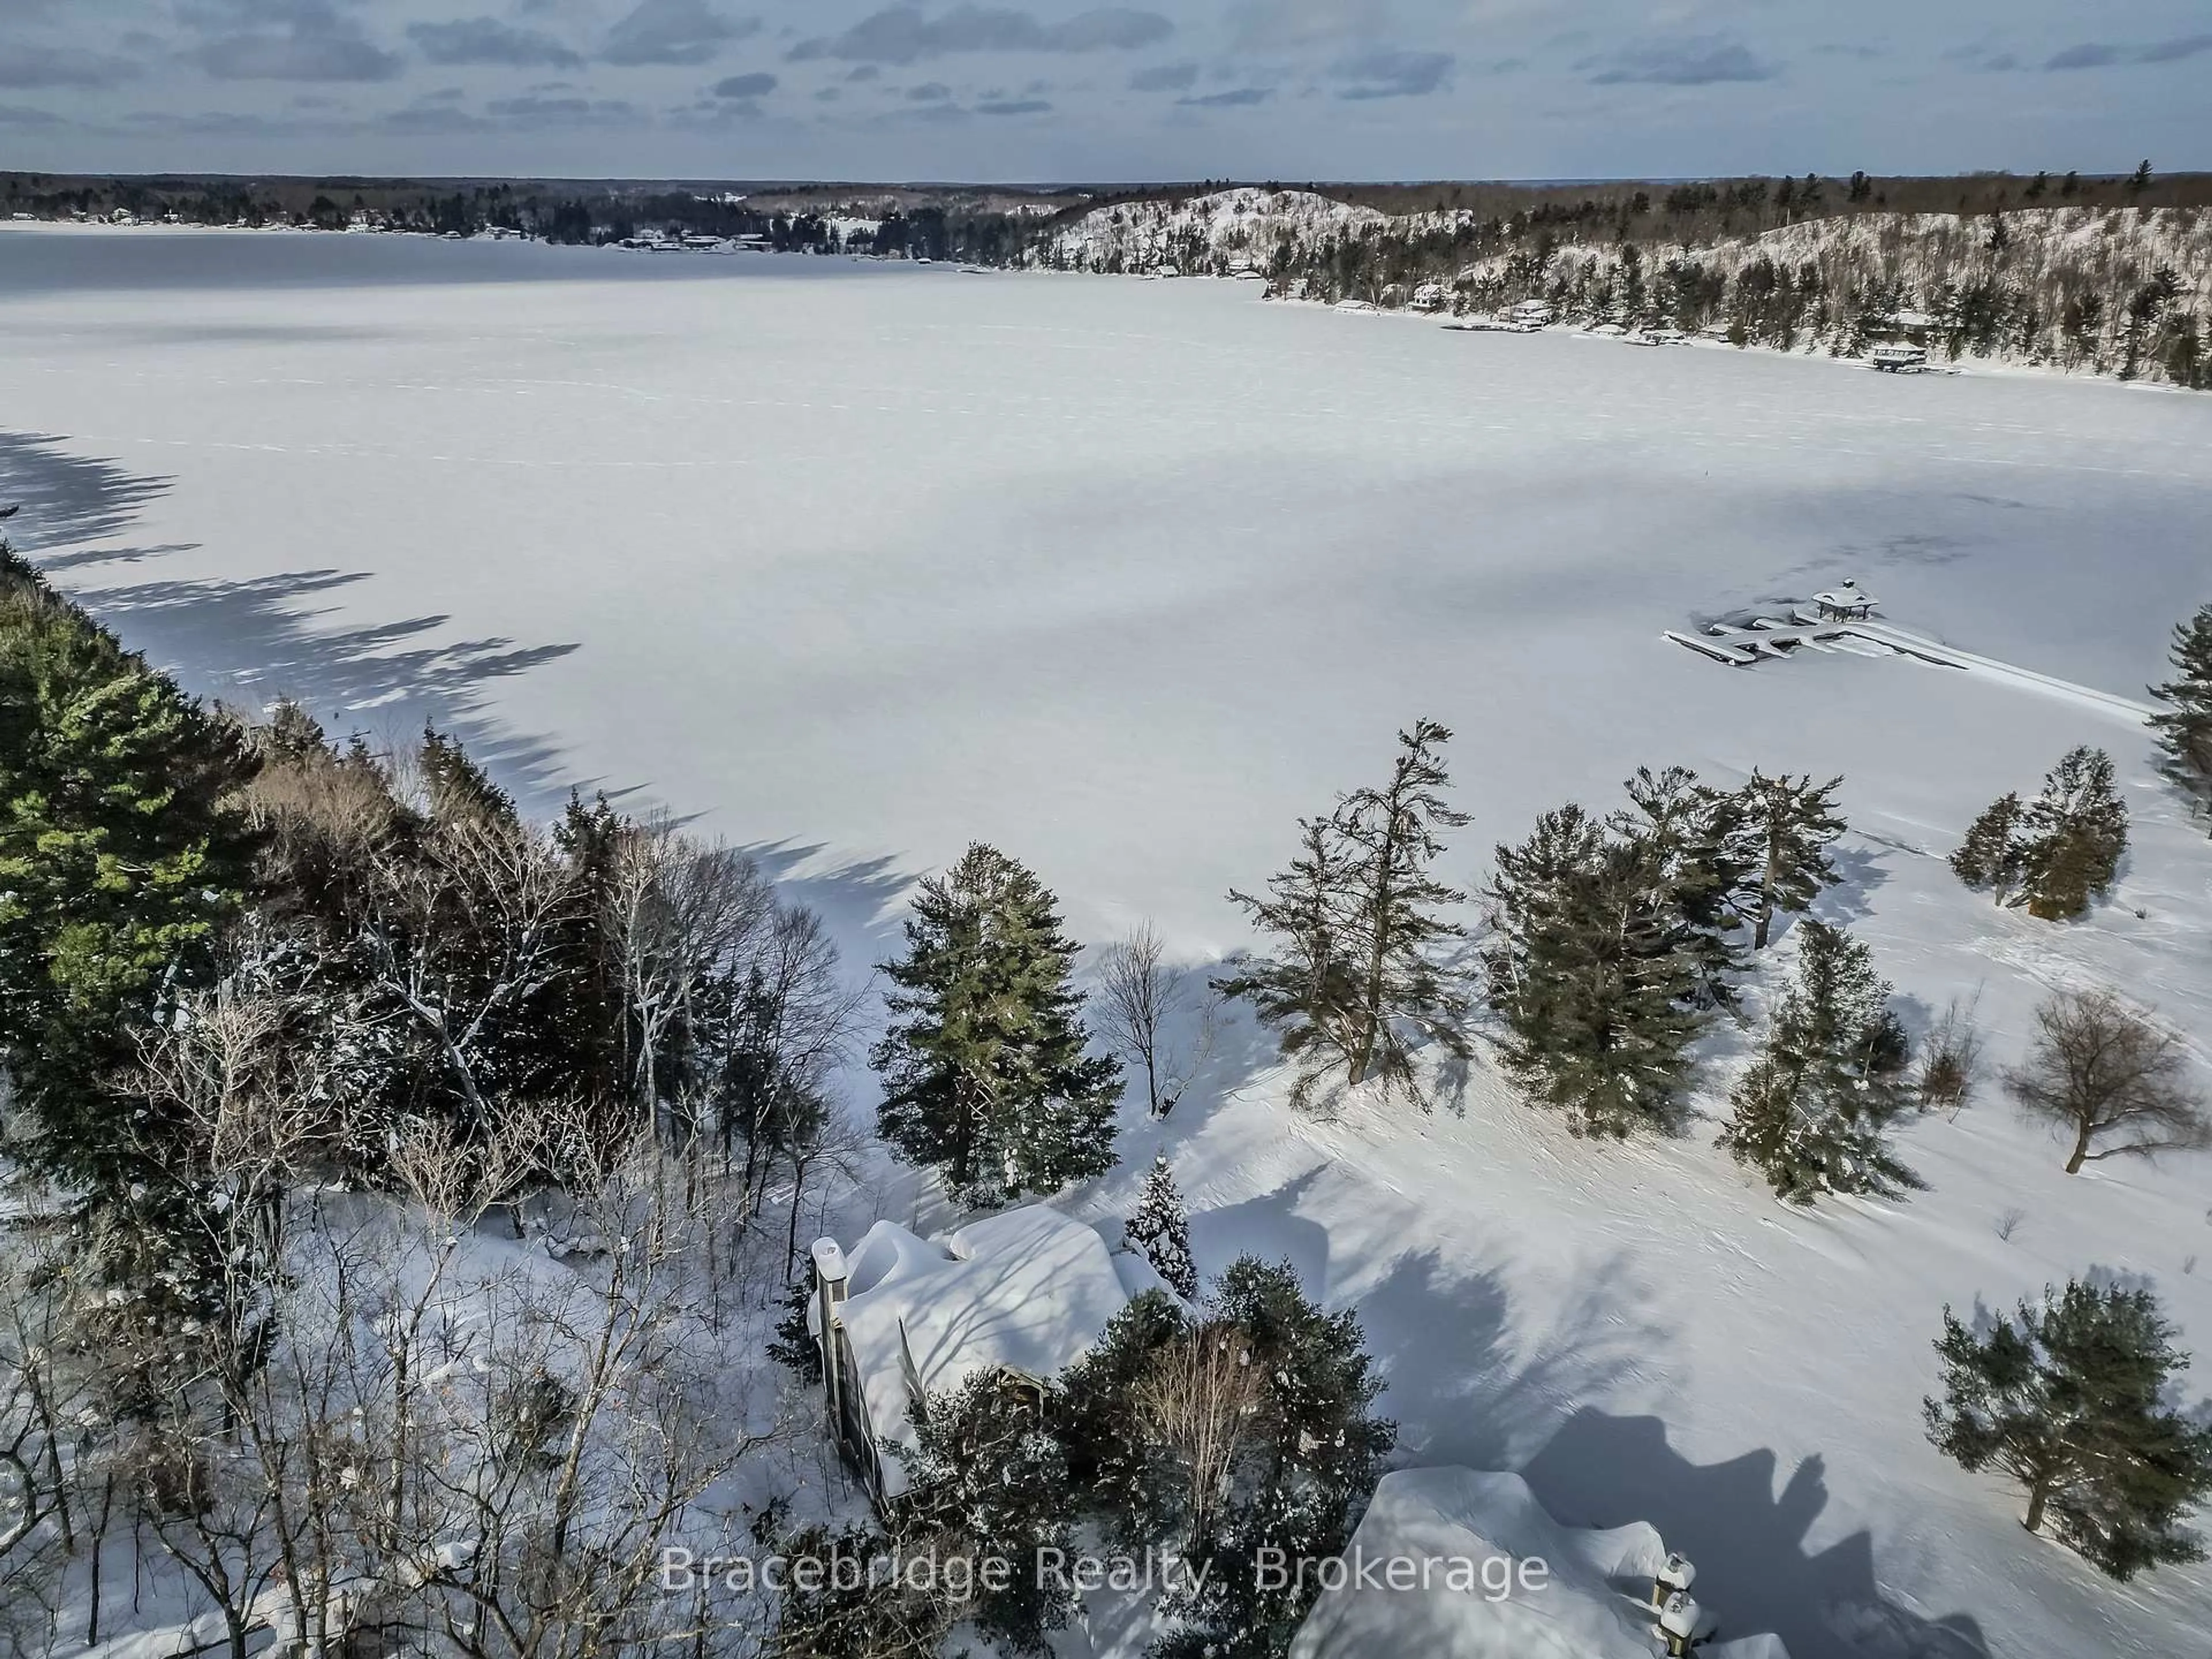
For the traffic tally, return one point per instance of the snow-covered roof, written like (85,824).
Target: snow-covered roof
(1592,1604)
(1027,1291)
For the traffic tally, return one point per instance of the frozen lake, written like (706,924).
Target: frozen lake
(1122,575)
(859,562)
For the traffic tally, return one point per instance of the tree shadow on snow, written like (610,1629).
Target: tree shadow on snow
(1493,1386)
(1859,873)
(1268,1227)
(66,498)
(252,641)
(1755,1571)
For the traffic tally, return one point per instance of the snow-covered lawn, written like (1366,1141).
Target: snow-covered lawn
(859,563)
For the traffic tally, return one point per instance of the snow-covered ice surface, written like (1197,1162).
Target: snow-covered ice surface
(860,563)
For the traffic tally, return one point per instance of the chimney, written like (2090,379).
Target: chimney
(1678,1625)
(1675,1575)
(830,1275)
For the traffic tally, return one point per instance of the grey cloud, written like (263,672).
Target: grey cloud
(1278,25)
(22,115)
(1165,77)
(904,35)
(295,57)
(430,120)
(929,92)
(1013,107)
(488,41)
(863,72)
(755,85)
(61,66)
(1392,73)
(1694,60)
(674,32)
(1241,98)
(565,112)
(317,42)
(2100,55)
(1841,49)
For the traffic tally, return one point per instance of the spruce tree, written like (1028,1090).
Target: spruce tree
(1812,1112)
(1590,969)
(1160,1232)
(1992,855)
(984,1064)
(1787,825)
(123,860)
(1355,980)
(2069,1398)
(1693,835)
(2184,729)
(2073,836)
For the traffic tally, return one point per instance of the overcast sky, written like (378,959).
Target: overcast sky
(1047,90)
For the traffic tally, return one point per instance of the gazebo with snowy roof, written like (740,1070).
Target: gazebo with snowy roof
(1846,602)
(1026,1293)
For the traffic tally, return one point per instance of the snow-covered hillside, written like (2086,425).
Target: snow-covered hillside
(2096,290)
(860,563)
(1228,230)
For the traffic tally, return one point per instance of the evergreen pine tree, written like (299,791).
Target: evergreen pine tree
(1786,827)
(2072,837)
(987,1482)
(1354,979)
(1590,969)
(2184,729)
(2069,1398)
(1693,835)
(1812,1112)
(983,1064)
(123,862)
(1992,855)
(1160,1232)
(1304,991)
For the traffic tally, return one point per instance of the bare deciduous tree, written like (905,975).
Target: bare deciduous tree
(1197,1403)
(1142,999)
(2106,1074)
(1951,1059)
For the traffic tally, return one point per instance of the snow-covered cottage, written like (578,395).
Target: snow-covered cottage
(1026,1293)
(1461,1564)
(1536,312)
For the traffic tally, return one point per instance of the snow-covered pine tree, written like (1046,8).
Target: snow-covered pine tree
(1391,833)
(1591,970)
(1812,1113)
(1159,1230)
(988,1482)
(2184,730)
(2069,1398)
(1358,914)
(2072,837)
(1785,829)
(1693,835)
(1303,990)
(1991,854)
(984,1067)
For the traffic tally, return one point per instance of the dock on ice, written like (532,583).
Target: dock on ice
(1841,621)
